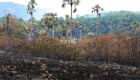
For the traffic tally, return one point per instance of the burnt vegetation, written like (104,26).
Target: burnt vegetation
(103,47)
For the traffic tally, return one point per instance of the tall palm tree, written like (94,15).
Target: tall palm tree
(96,9)
(31,8)
(71,3)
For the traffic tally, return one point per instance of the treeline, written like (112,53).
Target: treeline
(107,23)
(110,22)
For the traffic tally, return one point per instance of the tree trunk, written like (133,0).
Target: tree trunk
(53,32)
(71,4)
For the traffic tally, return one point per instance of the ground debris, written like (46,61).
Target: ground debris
(48,69)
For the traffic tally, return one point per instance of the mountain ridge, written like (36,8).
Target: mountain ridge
(19,10)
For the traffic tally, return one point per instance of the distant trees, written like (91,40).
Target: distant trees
(49,20)
(18,27)
(12,26)
(15,26)
(109,22)
(126,19)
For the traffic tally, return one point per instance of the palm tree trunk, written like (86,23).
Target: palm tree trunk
(32,20)
(53,32)
(80,34)
(71,4)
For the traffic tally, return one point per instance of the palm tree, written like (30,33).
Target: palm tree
(96,9)
(71,3)
(31,8)
(66,27)
(49,21)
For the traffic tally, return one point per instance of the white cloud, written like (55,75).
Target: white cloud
(85,5)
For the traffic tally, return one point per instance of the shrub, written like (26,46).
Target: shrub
(50,48)
(110,48)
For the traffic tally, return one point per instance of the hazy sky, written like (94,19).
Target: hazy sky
(85,5)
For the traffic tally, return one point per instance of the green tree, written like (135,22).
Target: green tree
(49,20)
(31,8)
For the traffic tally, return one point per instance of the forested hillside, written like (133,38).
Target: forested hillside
(110,21)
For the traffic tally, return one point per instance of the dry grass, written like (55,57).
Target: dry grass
(109,48)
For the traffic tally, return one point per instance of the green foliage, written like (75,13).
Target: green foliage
(31,6)
(109,22)
(31,9)
(49,20)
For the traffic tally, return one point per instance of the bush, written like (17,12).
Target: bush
(110,48)
(50,48)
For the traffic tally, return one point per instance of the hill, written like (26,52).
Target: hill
(19,10)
